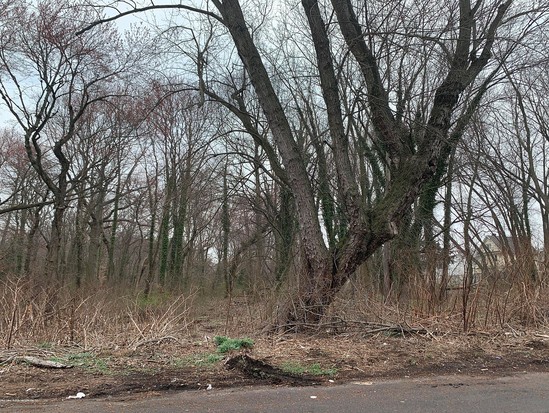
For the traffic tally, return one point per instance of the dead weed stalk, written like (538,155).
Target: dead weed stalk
(89,318)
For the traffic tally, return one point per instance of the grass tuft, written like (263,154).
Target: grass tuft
(226,344)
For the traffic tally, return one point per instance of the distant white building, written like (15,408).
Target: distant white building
(495,253)
(498,254)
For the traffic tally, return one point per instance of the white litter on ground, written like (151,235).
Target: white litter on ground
(79,395)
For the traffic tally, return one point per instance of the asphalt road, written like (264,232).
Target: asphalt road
(524,393)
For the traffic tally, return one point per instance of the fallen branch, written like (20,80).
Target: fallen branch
(367,327)
(155,341)
(36,362)
(399,330)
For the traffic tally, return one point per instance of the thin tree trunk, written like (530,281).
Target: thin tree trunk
(446,238)
(30,255)
(53,256)
(225,228)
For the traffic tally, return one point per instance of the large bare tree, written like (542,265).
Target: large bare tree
(415,116)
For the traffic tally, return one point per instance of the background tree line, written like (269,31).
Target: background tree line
(295,148)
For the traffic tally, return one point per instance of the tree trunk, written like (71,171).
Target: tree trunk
(53,256)
(31,250)
(113,231)
(225,229)
(327,269)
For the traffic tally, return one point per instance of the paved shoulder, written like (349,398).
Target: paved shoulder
(519,393)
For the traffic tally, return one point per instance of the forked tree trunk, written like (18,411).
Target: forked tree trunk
(328,267)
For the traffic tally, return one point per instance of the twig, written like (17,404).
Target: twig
(155,341)
(513,331)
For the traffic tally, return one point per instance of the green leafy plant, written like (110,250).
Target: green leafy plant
(226,344)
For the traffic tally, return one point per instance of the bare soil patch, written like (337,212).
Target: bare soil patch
(172,363)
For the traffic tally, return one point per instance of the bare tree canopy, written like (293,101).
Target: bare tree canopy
(316,135)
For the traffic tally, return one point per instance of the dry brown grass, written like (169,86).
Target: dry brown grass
(89,318)
(97,317)
(120,341)
(495,302)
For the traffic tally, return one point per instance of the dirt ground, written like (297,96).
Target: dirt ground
(170,363)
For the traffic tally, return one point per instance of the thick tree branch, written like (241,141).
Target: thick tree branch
(348,188)
(382,117)
(295,166)
(148,8)
(20,207)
